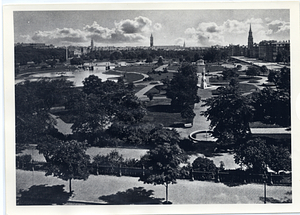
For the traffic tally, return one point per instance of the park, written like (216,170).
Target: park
(117,130)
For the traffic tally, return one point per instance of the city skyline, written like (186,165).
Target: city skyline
(133,28)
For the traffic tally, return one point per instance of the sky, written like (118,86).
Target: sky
(133,27)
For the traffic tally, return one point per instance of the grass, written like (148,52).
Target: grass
(137,88)
(140,68)
(131,77)
(244,88)
(157,77)
(214,68)
(112,72)
(173,67)
(161,112)
(239,79)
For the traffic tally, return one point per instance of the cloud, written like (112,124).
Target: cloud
(278,26)
(138,25)
(206,34)
(98,30)
(124,31)
(211,33)
(157,26)
(26,38)
(59,35)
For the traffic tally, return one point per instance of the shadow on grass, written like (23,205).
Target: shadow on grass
(286,199)
(233,184)
(136,195)
(276,201)
(43,195)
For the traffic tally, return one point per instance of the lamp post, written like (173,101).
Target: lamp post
(265,177)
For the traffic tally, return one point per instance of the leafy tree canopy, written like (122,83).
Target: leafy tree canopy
(66,159)
(256,154)
(253,71)
(230,73)
(102,103)
(183,87)
(229,114)
(163,163)
(204,164)
(33,101)
(274,105)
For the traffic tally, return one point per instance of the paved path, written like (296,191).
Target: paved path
(199,122)
(161,68)
(184,192)
(141,94)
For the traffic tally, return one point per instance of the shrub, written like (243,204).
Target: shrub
(204,164)
(23,162)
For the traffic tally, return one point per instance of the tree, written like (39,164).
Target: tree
(163,163)
(229,114)
(101,104)
(256,154)
(204,164)
(160,61)
(274,105)
(183,87)
(252,71)
(76,61)
(67,160)
(33,101)
(160,135)
(188,113)
(264,69)
(230,73)
(280,158)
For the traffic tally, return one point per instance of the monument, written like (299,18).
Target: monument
(202,81)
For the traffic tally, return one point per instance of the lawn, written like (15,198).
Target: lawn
(161,112)
(159,77)
(138,68)
(173,67)
(244,88)
(214,68)
(138,87)
(131,77)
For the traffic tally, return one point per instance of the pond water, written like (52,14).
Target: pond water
(76,76)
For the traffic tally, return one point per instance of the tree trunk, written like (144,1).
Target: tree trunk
(167,192)
(70,187)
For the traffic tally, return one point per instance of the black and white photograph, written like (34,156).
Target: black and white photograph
(158,106)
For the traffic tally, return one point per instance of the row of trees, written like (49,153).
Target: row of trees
(68,160)
(28,54)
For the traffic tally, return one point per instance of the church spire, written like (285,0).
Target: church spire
(250,43)
(151,40)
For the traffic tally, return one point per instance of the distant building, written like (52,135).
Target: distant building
(36,45)
(267,50)
(151,40)
(92,44)
(250,43)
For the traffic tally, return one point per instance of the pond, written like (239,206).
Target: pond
(76,76)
